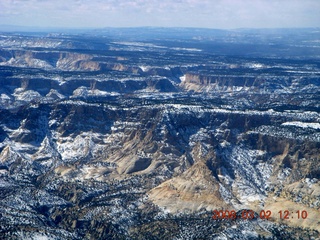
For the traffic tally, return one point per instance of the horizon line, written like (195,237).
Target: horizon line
(17,28)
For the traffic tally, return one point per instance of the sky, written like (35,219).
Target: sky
(221,14)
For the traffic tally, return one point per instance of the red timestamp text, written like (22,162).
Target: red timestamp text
(247,214)
(286,214)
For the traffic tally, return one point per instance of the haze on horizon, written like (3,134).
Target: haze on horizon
(223,14)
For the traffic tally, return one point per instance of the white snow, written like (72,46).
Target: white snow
(54,94)
(4,97)
(145,68)
(302,124)
(139,44)
(28,95)
(187,49)
(248,181)
(183,78)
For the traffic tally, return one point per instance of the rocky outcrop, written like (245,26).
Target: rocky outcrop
(194,190)
(77,62)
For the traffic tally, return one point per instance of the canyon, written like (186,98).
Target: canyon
(143,133)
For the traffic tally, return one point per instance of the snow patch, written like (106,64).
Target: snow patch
(183,78)
(27,96)
(302,124)
(145,68)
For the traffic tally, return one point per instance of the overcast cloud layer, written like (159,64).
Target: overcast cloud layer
(166,13)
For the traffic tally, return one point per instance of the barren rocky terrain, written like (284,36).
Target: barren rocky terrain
(143,133)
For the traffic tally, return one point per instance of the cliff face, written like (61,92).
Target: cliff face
(76,62)
(212,82)
(241,81)
(49,60)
